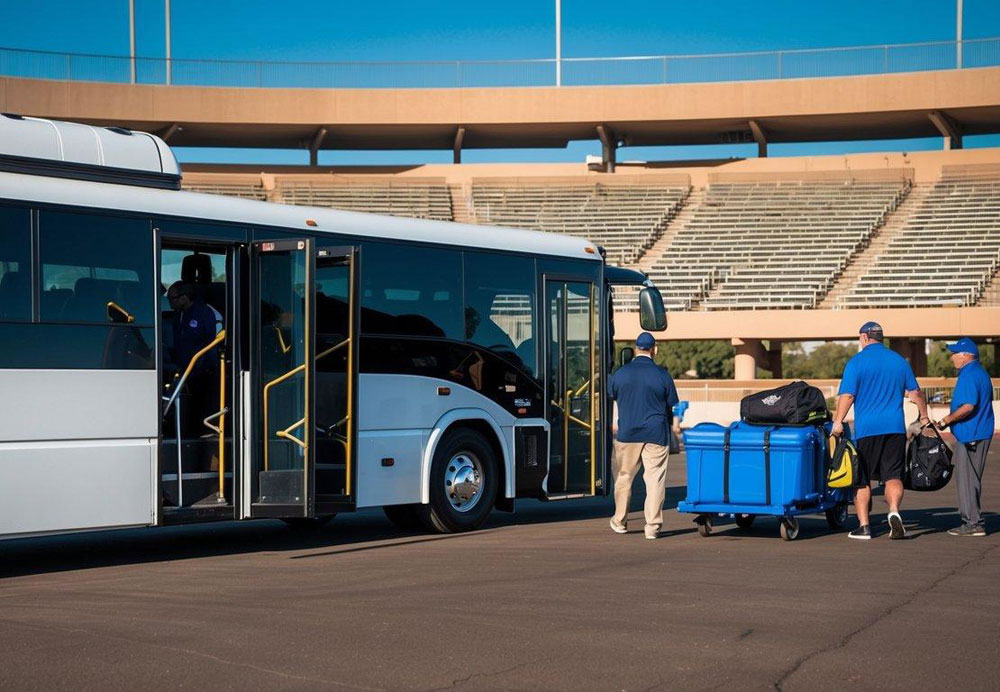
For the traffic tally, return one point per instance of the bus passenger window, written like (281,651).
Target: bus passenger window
(15,264)
(411,291)
(90,261)
(500,306)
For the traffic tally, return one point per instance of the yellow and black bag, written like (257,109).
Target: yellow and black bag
(842,471)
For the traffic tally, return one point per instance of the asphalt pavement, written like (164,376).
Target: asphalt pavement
(547,598)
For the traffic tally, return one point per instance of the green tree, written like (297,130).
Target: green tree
(826,361)
(692,359)
(939,361)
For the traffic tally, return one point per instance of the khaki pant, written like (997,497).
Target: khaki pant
(653,459)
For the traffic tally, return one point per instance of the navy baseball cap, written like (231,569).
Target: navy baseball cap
(869,327)
(645,342)
(964,345)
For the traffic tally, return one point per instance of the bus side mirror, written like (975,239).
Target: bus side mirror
(626,355)
(652,314)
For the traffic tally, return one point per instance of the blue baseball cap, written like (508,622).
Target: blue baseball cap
(645,342)
(964,345)
(869,327)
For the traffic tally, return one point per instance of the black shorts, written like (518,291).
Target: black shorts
(882,457)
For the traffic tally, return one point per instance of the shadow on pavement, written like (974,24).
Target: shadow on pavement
(94,549)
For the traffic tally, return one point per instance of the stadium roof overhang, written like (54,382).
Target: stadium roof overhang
(795,110)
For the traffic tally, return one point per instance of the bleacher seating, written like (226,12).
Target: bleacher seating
(423,199)
(625,217)
(948,250)
(245,186)
(778,243)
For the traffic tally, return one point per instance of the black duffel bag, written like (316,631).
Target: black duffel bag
(928,461)
(797,403)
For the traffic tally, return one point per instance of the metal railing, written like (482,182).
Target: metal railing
(650,69)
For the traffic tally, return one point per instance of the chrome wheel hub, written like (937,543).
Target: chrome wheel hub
(463,481)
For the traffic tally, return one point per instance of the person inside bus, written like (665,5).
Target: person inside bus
(480,328)
(195,325)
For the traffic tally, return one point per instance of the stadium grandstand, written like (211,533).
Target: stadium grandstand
(755,251)
(741,240)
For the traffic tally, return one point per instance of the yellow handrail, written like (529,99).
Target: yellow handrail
(129,317)
(278,380)
(219,338)
(267,390)
(593,393)
(222,428)
(287,433)
(281,340)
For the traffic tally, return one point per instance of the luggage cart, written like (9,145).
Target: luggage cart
(749,470)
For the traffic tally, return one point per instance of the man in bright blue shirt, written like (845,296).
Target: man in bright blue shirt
(644,395)
(972,423)
(874,382)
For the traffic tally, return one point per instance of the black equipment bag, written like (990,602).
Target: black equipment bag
(928,462)
(797,403)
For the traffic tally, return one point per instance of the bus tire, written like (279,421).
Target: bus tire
(463,483)
(404,517)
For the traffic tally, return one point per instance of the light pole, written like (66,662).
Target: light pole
(958,34)
(131,38)
(559,42)
(166,5)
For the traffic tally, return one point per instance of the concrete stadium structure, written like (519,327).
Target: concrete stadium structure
(949,104)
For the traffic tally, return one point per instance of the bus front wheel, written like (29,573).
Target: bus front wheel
(463,483)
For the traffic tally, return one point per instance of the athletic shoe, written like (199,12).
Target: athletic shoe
(618,528)
(896,528)
(652,533)
(862,533)
(968,530)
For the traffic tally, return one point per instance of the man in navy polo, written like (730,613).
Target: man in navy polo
(972,423)
(644,395)
(874,382)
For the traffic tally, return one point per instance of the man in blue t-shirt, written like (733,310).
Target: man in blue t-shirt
(644,395)
(874,382)
(972,423)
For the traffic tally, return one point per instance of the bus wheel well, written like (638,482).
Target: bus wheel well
(485,430)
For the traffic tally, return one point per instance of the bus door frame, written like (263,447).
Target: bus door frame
(317,251)
(234,247)
(598,471)
(332,252)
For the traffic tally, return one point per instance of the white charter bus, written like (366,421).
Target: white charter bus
(434,369)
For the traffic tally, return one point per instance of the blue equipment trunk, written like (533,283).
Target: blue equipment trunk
(755,468)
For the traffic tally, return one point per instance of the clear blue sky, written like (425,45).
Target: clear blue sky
(391,30)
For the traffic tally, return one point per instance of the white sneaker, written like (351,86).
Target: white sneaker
(896,528)
(652,533)
(618,528)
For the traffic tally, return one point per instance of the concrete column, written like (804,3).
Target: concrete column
(457,145)
(901,345)
(748,353)
(918,358)
(950,130)
(317,142)
(774,359)
(914,350)
(609,147)
(760,137)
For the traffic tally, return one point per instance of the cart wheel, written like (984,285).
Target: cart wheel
(745,521)
(836,517)
(789,528)
(704,525)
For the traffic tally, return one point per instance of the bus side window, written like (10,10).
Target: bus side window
(15,264)
(89,261)
(500,306)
